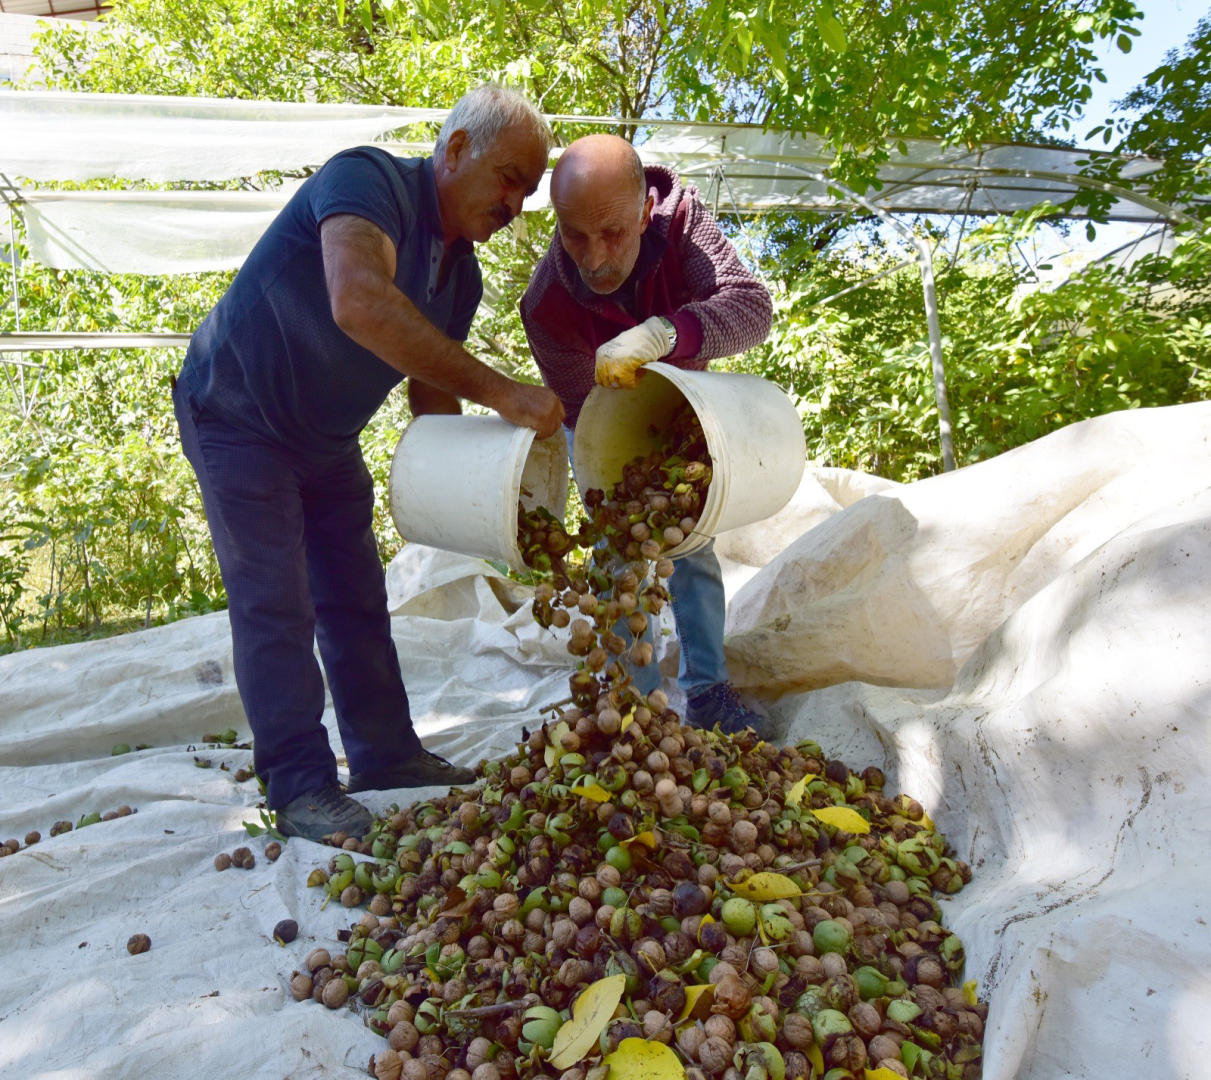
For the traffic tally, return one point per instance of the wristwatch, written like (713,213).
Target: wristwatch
(671,330)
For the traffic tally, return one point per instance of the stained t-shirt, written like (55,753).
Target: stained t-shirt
(270,358)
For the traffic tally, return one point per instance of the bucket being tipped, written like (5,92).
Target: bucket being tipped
(753,432)
(456,482)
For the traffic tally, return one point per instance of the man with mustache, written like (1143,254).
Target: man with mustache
(366,277)
(638,271)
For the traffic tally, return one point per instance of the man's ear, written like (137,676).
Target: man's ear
(456,148)
(646,217)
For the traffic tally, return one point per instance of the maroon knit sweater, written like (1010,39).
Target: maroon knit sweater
(717,306)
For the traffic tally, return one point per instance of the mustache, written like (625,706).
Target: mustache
(602,273)
(502,213)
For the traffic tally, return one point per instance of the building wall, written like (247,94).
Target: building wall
(16,45)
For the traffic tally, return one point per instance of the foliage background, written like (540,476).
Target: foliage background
(100,524)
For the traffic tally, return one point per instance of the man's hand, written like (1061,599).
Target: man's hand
(619,360)
(533,407)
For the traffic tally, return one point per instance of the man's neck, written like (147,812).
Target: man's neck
(445,206)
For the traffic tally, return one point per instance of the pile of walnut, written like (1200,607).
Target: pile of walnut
(766,913)
(619,842)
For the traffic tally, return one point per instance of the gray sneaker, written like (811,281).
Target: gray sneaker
(321,813)
(423,770)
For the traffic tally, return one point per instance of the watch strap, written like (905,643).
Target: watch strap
(671,330)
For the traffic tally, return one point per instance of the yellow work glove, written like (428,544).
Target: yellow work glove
(620,358)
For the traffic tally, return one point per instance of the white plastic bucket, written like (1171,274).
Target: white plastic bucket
(456,482)
(753,432)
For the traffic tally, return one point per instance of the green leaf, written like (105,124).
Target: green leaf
(832,33)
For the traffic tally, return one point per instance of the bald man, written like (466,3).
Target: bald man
(638,271)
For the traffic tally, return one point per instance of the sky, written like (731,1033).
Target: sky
(1166,25)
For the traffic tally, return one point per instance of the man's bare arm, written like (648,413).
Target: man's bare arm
(359,267)
(425,399)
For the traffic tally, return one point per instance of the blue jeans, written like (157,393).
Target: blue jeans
(699,610)
(293,536)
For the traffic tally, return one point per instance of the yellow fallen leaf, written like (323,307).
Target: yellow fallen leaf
(879,1074)
(627,721)
(765,886)
(553,752)
(590,1015)
(842,817)
(590,789)
(816,1058)
(927,822)
(970,992)
(697,1002)
(795,796)
(647,839)
(638,1059)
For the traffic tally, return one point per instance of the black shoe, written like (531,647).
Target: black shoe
(720,705)
(321,813)
(423,770)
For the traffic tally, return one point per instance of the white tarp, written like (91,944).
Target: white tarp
(59,135)
(1064,756)
(950,558)
(159,232)
(149,232)
(764,170)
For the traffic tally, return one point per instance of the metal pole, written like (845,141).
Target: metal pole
(12,239)
(935,355)
(12,236)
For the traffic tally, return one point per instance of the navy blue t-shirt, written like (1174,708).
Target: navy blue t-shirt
(270,358)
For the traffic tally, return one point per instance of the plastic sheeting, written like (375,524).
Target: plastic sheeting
(1064,757)
(160,232)
(57,135)
(764,171)
(902,588)
(148,232)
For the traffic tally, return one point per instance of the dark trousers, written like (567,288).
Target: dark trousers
(296,549)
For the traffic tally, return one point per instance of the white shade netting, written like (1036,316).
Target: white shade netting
(51,136)
(765,170)
(158,232)
(56,135)
(1041,627)
(148,232)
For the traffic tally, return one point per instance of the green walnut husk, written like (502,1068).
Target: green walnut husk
(739,916)
(829,1024)
(760,1061)
(831,937)
(542,1024)
(872,983)
(776,923)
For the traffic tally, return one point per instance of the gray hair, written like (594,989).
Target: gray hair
(486,111)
